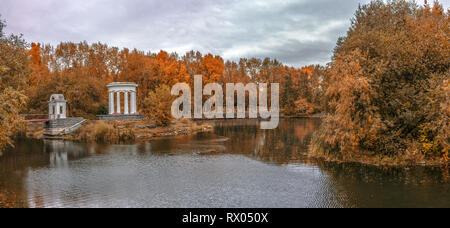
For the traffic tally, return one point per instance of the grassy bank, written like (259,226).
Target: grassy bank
(129,131)
(375,159)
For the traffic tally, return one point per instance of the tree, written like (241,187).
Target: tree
(352,122)
(444,133)
(402,53)
(11,102)
(14,68)
(13,77)
(302,106)
(2,25)
(39,70)
(212,68)
(157,105)
(86,96)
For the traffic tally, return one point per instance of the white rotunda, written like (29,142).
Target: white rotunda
(129,91)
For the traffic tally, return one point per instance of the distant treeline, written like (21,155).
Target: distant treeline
(81,72)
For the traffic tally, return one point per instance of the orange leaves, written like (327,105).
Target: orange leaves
(385,81)
(157,105)
(346,76)
(14,67)
(170,69)
(303,106)
(307,69)
(11,102)
(212,68)
(14,74)
(444,133)
(39,69)
(99,64)
(162,56)
(350,101)
(35,53)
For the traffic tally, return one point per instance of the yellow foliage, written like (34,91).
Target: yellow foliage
(385,90)
(105,132)
(157,105)
(11,101)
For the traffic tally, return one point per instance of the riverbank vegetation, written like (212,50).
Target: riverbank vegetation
(388,98)
(131,131)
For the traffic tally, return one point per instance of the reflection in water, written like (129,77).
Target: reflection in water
(286,144)
(390,187)
(59,152)
(238,165)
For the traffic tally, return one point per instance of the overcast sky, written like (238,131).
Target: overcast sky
(296,32)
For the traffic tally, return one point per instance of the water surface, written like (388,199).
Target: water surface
(237,165)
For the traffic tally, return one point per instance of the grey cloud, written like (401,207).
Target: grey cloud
(296,32)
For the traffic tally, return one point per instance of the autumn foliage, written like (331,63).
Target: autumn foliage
(11,101)
(388,89)
(157,105)
(81,72)
(14,72)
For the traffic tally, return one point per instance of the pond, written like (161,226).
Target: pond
(236,165)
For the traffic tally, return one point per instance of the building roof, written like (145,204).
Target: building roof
(114,84)
(57,98)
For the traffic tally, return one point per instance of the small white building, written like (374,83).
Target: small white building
(57,106)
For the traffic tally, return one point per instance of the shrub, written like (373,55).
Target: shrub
(105,132)
(158,104)
(102,132)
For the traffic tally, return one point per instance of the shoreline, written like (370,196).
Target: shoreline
(122,131)
(133,131)
(282,116)
(402,161)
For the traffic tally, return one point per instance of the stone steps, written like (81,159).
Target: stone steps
(62,123)
(62,126)
(120,117)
